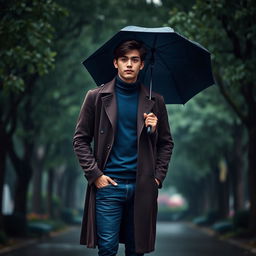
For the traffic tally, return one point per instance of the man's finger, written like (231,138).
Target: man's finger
(112,181)
(151,114)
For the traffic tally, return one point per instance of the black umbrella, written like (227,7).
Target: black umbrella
(177,67)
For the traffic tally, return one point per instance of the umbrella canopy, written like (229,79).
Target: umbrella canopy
(177,67)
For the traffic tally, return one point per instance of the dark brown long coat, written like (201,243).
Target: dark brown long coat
(97,124)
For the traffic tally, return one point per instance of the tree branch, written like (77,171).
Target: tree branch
(232,36)
(225,94)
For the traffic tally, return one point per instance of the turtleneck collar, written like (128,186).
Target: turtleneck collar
(124,87)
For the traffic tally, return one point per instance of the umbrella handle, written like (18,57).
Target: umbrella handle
(149,129)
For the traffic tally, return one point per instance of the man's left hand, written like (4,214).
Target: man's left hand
(150,119)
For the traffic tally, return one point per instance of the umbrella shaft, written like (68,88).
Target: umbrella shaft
(150,84)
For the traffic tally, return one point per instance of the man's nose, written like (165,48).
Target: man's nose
(129,63)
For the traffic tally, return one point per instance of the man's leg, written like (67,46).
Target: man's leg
(108,218)
(128,216)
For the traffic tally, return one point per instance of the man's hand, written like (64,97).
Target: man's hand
(150,119)
(157,181)
(103,181)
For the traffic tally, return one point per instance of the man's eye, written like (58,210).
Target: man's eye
(123,59)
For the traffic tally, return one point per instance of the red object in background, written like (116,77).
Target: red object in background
(173,201)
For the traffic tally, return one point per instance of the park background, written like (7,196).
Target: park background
(212,174)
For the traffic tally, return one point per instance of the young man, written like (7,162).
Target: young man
(127,165)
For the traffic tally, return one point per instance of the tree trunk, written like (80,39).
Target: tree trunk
(3,154)
(69,199)
(50,209)
(23,171)
(222,192)
(21,189)
(60,181)
(23,165)
(192,210)
(236,167)
(224,199)
(213,198)
(193,199)
(252,176)
(208,204)
(37,200)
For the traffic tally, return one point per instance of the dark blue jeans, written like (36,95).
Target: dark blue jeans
(114,203)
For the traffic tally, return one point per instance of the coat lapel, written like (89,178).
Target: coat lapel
(145,106)
(109,102)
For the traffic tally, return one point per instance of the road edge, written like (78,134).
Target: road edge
(211,232)
(31,241)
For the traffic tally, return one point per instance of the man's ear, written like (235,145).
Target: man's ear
(115,63)
(142,65)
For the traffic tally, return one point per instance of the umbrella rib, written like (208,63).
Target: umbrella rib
(145,70)
(152,62)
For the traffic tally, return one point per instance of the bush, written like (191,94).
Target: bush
(55,224)
(201,221)
(206,220)
(39,228)
(223,227)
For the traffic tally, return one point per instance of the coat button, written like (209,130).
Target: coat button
(108,147)
(101,131)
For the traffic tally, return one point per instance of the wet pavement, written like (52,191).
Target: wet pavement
(173,239)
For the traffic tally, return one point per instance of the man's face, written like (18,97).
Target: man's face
(129,66)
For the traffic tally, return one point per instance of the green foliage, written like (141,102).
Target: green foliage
(223,227)
(28,37)
(204,131)
(208,219)
(199,139)
(228,31)
(39,228)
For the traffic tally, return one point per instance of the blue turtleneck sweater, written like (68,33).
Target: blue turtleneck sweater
(122,161)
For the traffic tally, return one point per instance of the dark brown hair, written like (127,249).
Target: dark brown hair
(127,46)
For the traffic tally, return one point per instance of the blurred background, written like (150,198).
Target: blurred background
(212,175)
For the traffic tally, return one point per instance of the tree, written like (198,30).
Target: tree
(228,30)
(201,145)
(26,54)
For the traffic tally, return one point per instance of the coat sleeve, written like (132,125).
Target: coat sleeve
(83,136)
(164,144)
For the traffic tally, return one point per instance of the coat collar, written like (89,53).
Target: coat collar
(145,105)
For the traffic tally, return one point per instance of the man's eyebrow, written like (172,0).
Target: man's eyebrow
(133,57)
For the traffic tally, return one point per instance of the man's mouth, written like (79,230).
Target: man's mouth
(128,71)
